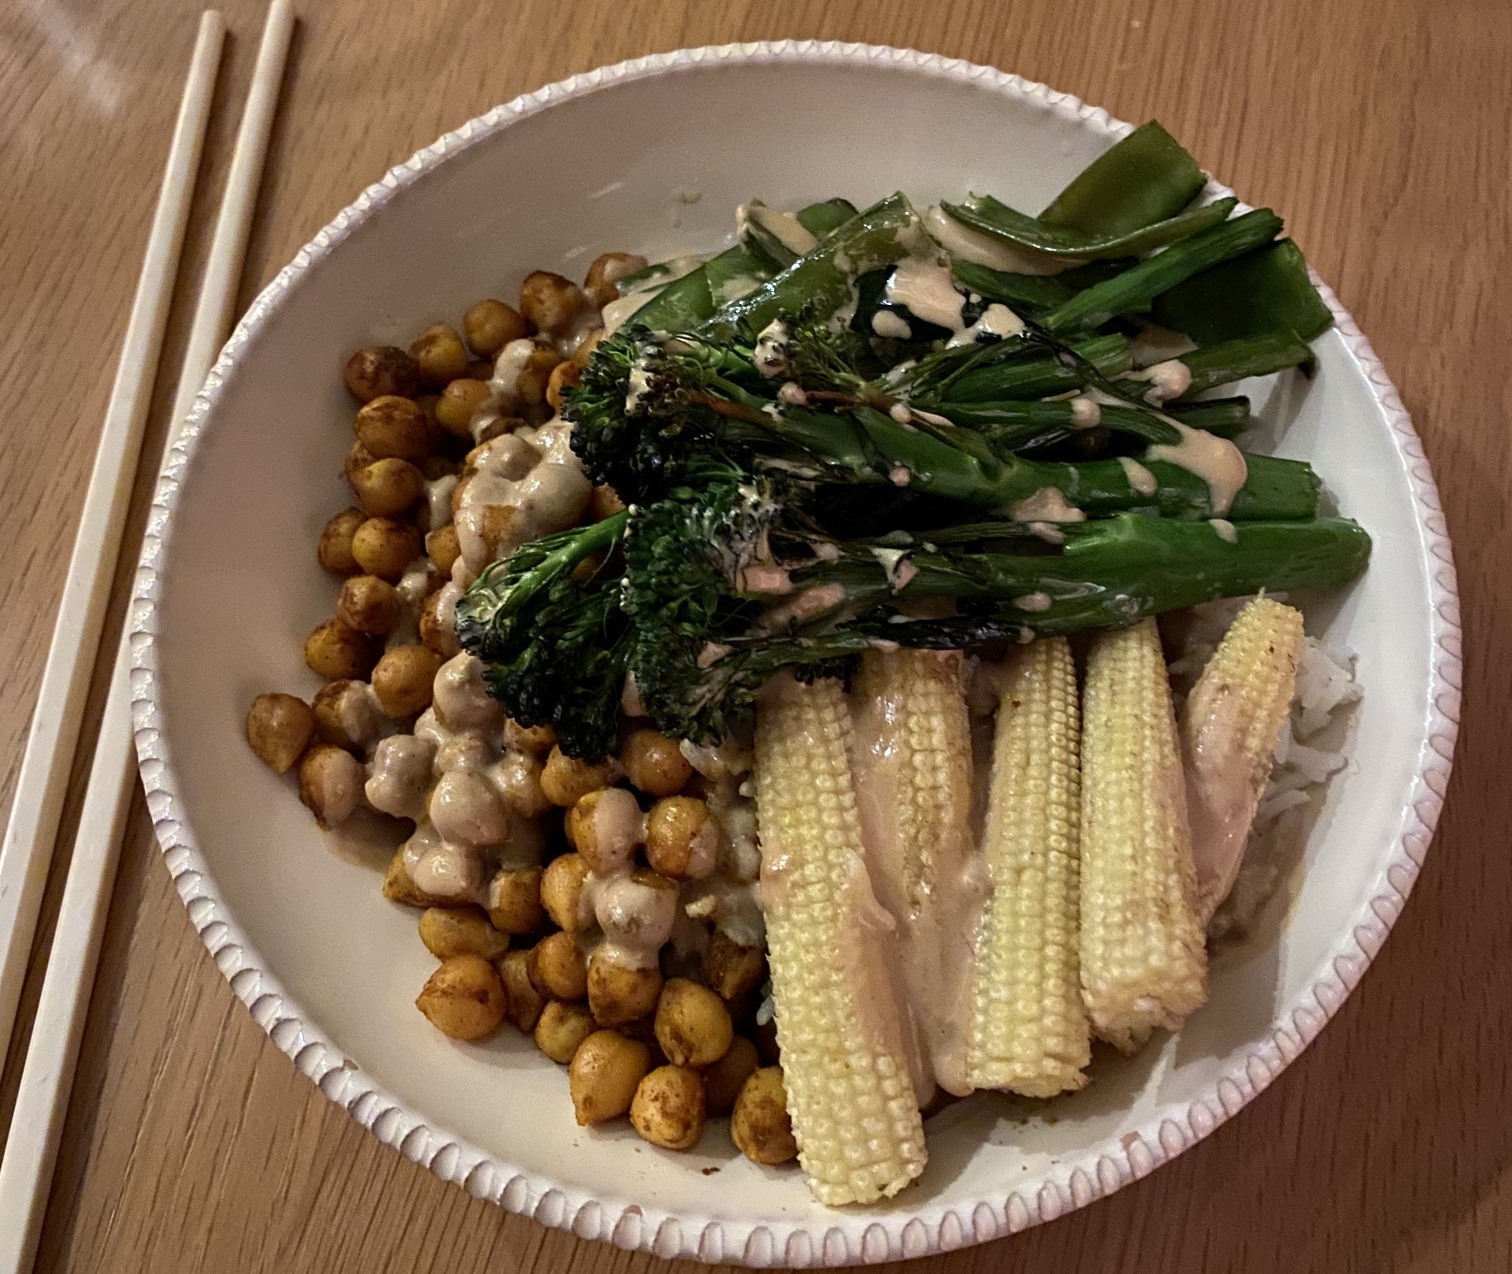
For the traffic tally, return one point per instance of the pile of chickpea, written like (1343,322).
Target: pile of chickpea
(580,936)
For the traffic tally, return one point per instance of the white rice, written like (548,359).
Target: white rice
(1326,687)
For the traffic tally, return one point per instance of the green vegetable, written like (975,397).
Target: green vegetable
(1223,364)
(1014,425)
(984,213)
(1139,285)
(1141,179)
(1019,371)
(557,647)
(821,219)
(1267,290)
(1030,293)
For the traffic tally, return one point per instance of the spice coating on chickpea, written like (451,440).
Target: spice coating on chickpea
(557,968)
(551,302)
(605,1072)
(399,886)
(279,728)
(381,369)
(537,740)
(443,548)
(514,900)
(563,376)
(731,968)
(439,353)
(724,1079)
(682,838)
(386,488)
(562,891)
(604,503)
(393,426)
(335,651)
(618,993)
(330,784)
(460,402)
(403,679)
(490,325)
(605,827)
(525,1002)
(384,547)
(346,715)
(434,632)
(369,605)
(464,998)
(759,1124)
(692,1024)
(335,550)
(561,1029)
(452,931)
(654,763)
(668,1107)
(566,780)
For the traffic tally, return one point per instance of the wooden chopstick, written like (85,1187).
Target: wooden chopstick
(27,851)
(46,1079)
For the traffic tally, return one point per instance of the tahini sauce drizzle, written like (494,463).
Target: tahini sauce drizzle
(1215,460)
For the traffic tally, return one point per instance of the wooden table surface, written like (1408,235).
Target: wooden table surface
(1380,132)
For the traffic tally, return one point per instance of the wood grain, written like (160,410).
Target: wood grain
(1381,133)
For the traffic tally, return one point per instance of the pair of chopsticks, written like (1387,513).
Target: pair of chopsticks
(26,853)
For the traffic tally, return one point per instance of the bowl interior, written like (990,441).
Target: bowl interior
(655,165)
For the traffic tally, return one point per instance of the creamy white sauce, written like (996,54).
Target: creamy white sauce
(438,501)
(1048,531)
(782,226)
(1048,504)
(519,486)
(892,326)
(1168,380)
(1215,460)
(618,826)
(926,289)
(1086,413)
(1225,530)
(1141,480)
(984,249)
(900,475)
(996,320)
(801,606)
(503,386)
(619,311)
(1153,344)
(1036,601)
(771,352)
(792,394)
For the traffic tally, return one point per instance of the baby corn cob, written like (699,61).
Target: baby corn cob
(845,1051)
(1029,1029)
(911,758)
(1143,962)
(1229,727)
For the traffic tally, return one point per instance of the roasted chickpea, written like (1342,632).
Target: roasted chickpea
(369,604)
(603,1077)
(335,552)
(381,369)
(561,1028)
(533,739)
(387,488)
(605,827)
(563,376)
(437,636)
(346,715)
(403,679)
(518,778)
(604,503)
(692,1024)
(393,426)
(654,763)
(668,1107)
(460,402)
(452,931)
(535,375)
(279,728)
(606,271)
(490,326)
(399,886)
(562,892)
(464,998)
(557,968)
(618,993)
(730,968)
(551,302)
(479,369)
(514,900)
(724,1079)
(682,838)
(525,1002)
(566,780)
(358,458)
(330,784)
(439,353)
(759,1124)
(582,353)
(335,651)
(443,548)
(384,547)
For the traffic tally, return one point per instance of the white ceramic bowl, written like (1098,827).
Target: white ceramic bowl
(652,156)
